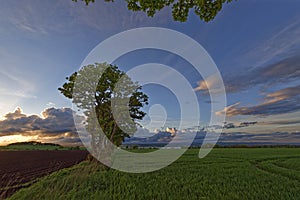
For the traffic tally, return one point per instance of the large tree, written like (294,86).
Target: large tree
(106,96)
(205,9)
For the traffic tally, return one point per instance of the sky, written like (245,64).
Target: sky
(255,45)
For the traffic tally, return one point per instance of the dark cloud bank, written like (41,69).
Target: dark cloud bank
(56,125)
(163,138)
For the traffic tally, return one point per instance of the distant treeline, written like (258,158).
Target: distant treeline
(34,143)
(218,146)
(251,146)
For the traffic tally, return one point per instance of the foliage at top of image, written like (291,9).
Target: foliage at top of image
(207,10)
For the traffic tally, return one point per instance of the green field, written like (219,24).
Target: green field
(226,173)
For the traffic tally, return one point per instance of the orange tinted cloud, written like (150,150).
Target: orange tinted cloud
(281,101)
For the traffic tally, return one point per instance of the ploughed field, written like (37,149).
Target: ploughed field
(19,169)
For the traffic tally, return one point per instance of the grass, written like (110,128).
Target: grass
(233,173)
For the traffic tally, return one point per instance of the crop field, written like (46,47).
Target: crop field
(226,173)
(19,169)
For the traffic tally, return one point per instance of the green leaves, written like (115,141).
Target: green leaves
(207,10)
(148,6)
(116,99)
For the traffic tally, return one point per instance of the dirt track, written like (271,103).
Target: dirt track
(18,168)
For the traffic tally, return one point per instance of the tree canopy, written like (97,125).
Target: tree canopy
(115,98)
(207,10)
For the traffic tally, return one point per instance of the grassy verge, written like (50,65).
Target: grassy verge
(224,174)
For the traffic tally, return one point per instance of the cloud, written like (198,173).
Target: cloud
(282,122)
(13,87)
(163,138)
(158,138)
(14,84)
(50,104)
(283,94)
(56,123)
(102,16)
(211,84)
(269,61)
(143,133)
(203,85)
(15,115)
(279,102)
(229,110)
(283,138)
(284,41)
(284,71)
(44,17)
(244,124)
(241,125)
(31,17)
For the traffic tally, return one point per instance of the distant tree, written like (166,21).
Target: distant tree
(115,98)
(205,9)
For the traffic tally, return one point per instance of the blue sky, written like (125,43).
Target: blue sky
(255,44)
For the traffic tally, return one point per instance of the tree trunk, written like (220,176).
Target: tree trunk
(113,133)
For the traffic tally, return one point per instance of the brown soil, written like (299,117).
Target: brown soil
(18,169)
